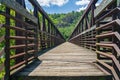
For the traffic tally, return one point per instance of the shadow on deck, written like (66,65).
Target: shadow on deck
(64,62)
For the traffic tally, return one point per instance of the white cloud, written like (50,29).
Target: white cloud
(82,2)
(52,2)
(81,8)
(97,4)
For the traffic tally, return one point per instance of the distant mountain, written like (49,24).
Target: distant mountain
(66,22)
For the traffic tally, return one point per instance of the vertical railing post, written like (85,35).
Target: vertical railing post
(79,28)
(48,35)
(118,4)
(98,40)
(86,26)
(51,38)
(55,38)
(92,14)
(36,30)
(7,47)
(52,33)
(82,25)
(92,20)
(26,47)
(43,29)
(114,40)
(18,42)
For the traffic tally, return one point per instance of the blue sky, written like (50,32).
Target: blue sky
(63,6)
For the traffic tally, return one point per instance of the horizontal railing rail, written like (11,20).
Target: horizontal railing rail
(84,32)
(102,7)
(113,45)
(25,34)
(87,20)
(108,39)
(103,36)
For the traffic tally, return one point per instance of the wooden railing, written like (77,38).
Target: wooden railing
(103,35)
(25,34)
(84,33)
(108,38)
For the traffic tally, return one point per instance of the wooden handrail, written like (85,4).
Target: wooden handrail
(28,38)
(112,57)
(103,36)
(35,3)
(110,45)
(101,8)
(110,24)
(92,2)
(114,11)
(19,9)
(110,68)
(116,34)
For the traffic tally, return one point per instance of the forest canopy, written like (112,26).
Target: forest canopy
(66,22)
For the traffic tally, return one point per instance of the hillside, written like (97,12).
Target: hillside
(66,22)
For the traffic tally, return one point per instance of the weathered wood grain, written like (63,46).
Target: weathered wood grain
(88,30)
(65,60)
(102,6)
(19,9)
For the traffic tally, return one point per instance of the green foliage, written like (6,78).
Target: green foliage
(66,22)
(66,31)
(2,33)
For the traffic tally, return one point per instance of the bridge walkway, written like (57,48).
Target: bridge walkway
(65,60)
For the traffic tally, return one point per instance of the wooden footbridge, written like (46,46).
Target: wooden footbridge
(32,48)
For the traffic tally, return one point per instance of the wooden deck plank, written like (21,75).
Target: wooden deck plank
(66,59)
(65,74)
